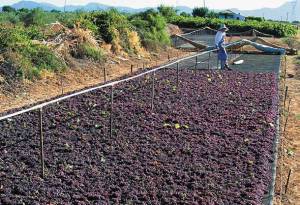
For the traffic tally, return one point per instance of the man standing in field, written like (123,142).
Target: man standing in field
(220,44)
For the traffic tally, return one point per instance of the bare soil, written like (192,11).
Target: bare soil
(289,158)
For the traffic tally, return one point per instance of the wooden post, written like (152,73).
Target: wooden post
(104,74)
(111,110)
(153,91)
(287,116)
(285,97)
(177,71)
(61,84)
(41,143)
(288,181)
(168,57)
(131,69)
(208,64)
(285,70)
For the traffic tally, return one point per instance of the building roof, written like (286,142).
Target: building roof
(228,12)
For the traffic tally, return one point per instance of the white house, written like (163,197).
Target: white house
(228,14)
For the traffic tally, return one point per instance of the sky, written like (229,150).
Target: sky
(212,4)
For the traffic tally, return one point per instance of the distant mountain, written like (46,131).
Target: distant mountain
(275,13)
(33,4)
(268,13)
(87,7)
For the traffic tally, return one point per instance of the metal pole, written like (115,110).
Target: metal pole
(41,142)
(288,181)
(104,74)
(177,71)
(153,91)
(111,110)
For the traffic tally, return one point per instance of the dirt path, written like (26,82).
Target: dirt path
(82,75)
(290,155)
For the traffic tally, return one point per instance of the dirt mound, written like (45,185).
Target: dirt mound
(173,30)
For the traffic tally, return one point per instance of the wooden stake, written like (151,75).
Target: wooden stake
(208,64)
(285,97)
(104,74)
(288,181)
(177,71)
(111,110)
(153,91)
(287,116)
(61,84)
(41,143)
(131,69)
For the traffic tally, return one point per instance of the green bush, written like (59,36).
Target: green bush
(200,12)
(8,9)
(151,27)
(112,26)
(37,17)
(86,50)
(167,11)
(273,28)
(30,59)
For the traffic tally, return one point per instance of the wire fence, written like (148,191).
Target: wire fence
(39,145)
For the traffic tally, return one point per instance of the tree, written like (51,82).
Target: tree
(200,11)
(8,9)
(23,10)
(167,11)
(212,14)
(185,14)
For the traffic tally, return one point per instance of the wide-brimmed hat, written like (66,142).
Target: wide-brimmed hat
(223,26)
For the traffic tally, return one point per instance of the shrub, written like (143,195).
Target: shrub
(113,27)
(254,18)
(167,11)
(151,27)
(8,9)
(86,50)
(273,28)
(37,17)
(185,14)
(200,12)
(28,58)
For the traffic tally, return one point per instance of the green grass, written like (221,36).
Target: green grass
(86,50)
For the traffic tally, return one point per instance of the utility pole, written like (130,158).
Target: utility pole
(287,16)
(204,4)
(65,6)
